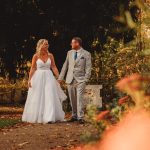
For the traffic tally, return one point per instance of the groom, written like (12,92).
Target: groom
(77,66)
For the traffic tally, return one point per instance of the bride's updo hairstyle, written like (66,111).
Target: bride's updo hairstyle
(39,46)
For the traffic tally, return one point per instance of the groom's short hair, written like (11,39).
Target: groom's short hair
(78,39)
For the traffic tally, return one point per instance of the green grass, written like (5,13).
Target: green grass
(8,122)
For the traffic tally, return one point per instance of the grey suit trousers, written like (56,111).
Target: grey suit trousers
(76,95)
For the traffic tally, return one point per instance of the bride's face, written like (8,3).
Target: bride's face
(45,46)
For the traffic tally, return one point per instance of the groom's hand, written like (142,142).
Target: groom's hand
(60,81)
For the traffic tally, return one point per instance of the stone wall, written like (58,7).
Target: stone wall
(92,95)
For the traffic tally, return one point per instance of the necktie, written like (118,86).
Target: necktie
(75,55)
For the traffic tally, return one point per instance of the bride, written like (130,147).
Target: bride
(43,104)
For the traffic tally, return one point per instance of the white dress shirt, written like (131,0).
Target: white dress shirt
(78,52)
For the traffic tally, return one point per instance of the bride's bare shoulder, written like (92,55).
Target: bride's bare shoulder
(35,56)
(50,55)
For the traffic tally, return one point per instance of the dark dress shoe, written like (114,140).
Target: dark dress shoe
(51,122)
(81,121)
(73,119)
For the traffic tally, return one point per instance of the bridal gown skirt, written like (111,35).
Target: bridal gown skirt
(44,98)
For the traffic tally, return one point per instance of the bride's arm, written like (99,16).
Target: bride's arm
(32,69)
(53,66)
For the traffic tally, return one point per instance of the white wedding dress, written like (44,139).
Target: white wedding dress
(44,99)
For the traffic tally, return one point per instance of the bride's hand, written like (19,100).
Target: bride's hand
(29,84)
(60,81)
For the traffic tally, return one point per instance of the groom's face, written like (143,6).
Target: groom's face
(75,44)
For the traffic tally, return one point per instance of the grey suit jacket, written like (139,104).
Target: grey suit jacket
(80,69)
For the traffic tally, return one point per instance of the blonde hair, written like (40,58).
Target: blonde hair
(39,45)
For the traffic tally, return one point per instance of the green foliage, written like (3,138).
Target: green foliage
(119,59)
(88,137)
(104,70)
(100,126)
(8,122)
(101,120)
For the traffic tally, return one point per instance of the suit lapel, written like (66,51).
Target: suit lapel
(72,57)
